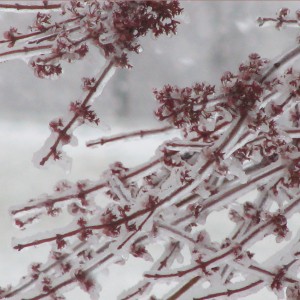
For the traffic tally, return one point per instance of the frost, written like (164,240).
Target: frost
(105,80)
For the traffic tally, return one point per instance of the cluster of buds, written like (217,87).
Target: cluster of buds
(113,27)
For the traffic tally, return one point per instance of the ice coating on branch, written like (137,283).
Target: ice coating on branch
(59,155)
(23,53)
(65,162)
(62,128)
(104,82)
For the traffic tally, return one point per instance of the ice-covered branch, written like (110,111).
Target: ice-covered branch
(139,133)
(30,8)
(62,134)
